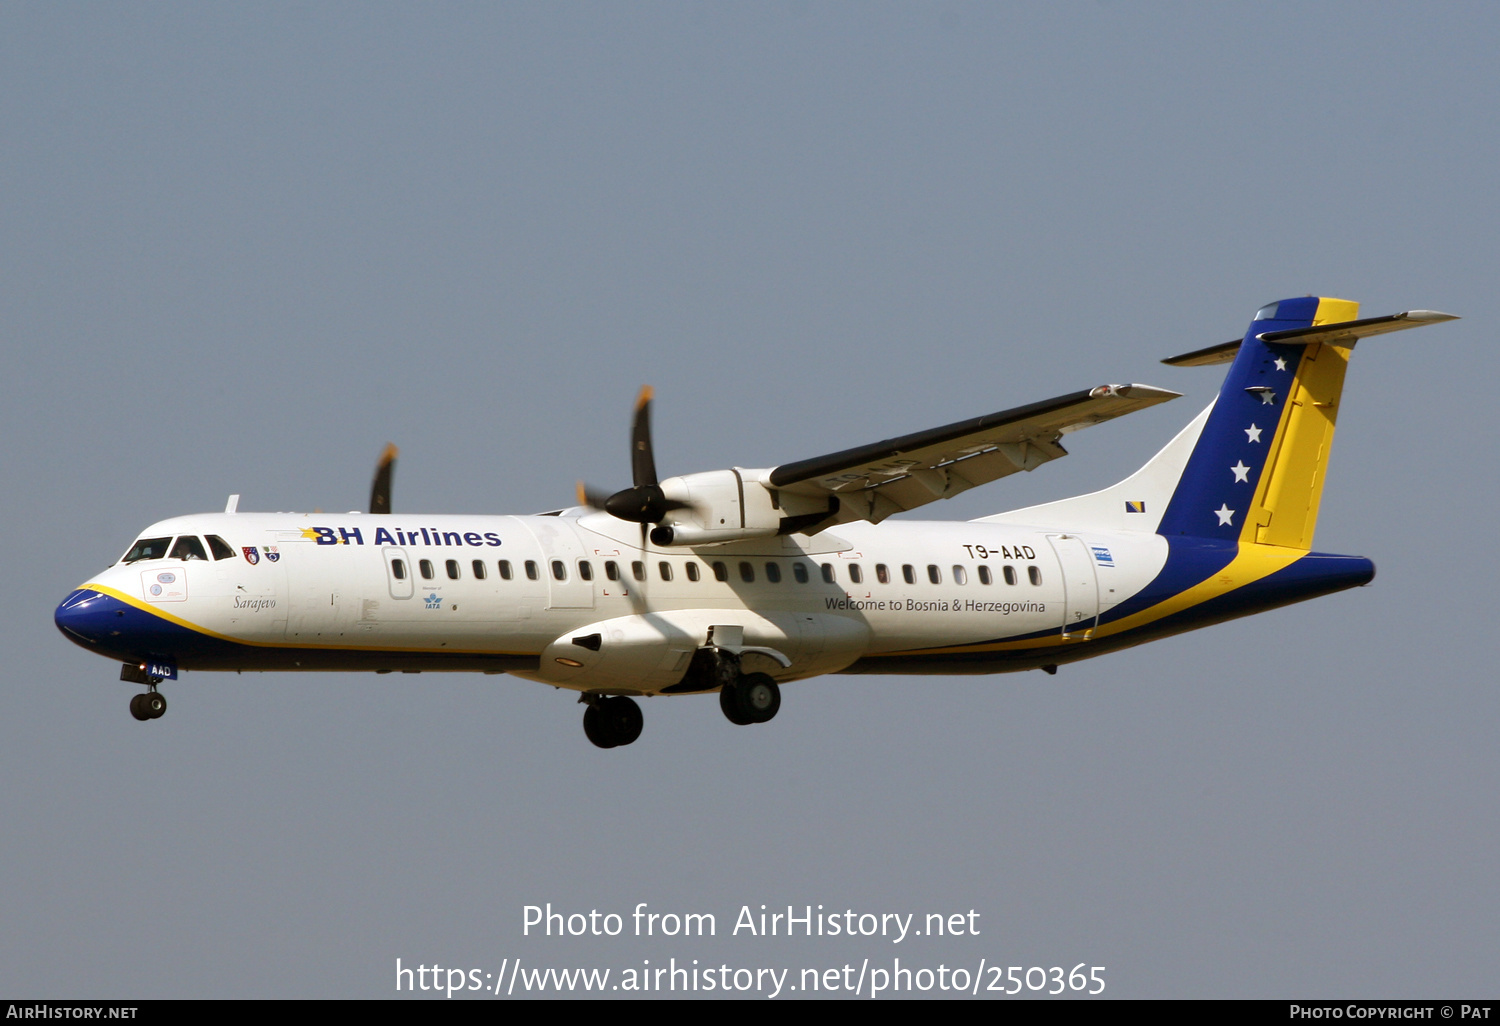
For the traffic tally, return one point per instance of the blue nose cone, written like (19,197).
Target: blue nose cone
(89,618)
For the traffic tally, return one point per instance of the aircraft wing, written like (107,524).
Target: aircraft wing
(874,481)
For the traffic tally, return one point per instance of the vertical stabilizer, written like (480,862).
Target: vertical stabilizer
(1257,472)
(1249,470)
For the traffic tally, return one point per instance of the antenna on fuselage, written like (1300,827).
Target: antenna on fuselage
(233,505)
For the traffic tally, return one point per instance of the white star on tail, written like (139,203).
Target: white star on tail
(1280,363)
(1241,472)
(1225,514)
(1253,433)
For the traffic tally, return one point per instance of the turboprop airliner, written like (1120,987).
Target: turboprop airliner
(740,581)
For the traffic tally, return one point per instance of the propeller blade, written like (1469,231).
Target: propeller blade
(644,502)
(591,497)
(380,491)
(642,459)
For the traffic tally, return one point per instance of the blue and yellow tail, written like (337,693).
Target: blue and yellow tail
(1256,475)
(1246,477)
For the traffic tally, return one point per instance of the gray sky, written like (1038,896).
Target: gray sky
(241,247)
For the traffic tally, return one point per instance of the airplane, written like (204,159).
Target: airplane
(739,581)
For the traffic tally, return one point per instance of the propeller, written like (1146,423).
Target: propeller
(644,502)
(380,489)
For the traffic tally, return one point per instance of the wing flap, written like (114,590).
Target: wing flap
(873,481)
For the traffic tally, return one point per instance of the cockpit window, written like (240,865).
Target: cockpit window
(188,547)
(219,547)
(148,548)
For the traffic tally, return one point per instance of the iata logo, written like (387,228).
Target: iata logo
(434,601)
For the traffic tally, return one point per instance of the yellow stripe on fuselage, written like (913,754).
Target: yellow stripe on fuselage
(1252,563)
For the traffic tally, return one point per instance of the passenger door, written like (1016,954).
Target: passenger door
(1080,587)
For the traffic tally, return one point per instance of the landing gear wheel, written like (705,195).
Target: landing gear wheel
(154,704)
(138,707)
(730,706)
(754,698)
(596,726)
(759,696)
(611,722)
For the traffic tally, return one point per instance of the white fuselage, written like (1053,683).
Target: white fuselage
(435,592)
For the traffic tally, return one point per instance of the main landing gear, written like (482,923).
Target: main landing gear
(745,698)
(612,720)
(151,705)
(750,698)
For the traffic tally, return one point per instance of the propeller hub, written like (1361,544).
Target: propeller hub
(643,504)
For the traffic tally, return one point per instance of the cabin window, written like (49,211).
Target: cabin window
(478,565)
(585,570)
(908,573)
(828,573)
(1035,573)
(611,570)
(533,573)
(882,573)
(934,574)
(747,572)
(960,575)
(664,570)
(219,547)
(1010,574)
(426,567)
(452,566)
(398,569)
(692,570)
(638,570)
(799,571)
(721,572)
(773,573)
(188,547)
(505,571)
(984,575)
(559,570)
(856,575)
(148,548)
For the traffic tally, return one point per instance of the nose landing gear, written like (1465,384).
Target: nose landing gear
(151,705)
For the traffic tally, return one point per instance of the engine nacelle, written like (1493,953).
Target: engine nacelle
(735,505)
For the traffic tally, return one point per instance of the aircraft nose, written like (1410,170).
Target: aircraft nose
(87,617)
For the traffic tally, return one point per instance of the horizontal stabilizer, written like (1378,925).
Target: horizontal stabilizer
(1344,333)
